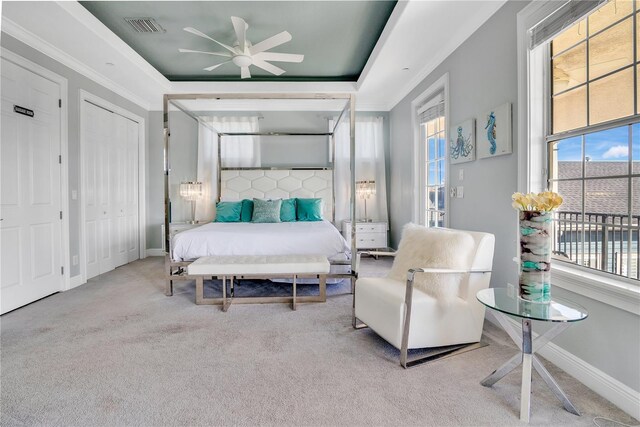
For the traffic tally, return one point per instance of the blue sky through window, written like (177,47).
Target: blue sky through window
(608,145)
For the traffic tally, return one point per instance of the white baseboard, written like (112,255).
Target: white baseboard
(621,395)
(155,252)
(76,281)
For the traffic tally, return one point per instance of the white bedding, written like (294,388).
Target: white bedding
(246,238)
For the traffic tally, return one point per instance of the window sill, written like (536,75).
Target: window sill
(608,290)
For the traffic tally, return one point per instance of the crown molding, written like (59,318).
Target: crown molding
(14,30)
(263,87)
(448,49)
(93,24)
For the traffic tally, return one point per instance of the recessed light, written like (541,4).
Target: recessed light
(109,64)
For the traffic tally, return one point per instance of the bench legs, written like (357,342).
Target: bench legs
(199,289)
(225,304)
(293,301)
(225,301)
(168,289)
(323,287)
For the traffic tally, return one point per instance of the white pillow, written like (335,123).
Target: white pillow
(436,248)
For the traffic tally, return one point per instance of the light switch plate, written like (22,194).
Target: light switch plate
(460,192)
(461,175)
(452,192)
(74,194)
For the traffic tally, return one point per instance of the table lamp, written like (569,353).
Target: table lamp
(191,191)
(365,189)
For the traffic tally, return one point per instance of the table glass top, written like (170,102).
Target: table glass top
(506,301)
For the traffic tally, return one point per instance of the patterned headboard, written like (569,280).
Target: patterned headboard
(279,184)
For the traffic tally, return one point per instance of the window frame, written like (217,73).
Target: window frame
(419,153)
(437,158)
(533,80)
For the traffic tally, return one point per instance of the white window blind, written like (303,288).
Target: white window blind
(432,109)
(565,16)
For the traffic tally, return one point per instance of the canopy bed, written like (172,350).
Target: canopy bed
(228,186)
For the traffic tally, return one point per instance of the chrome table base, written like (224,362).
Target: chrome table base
(527,358)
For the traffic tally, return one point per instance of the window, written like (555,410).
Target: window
(594,140)
(432,132)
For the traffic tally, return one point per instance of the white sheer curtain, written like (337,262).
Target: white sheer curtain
(370,166)
(236,151)
(207,172)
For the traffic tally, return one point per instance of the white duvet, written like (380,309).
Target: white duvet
(246,238)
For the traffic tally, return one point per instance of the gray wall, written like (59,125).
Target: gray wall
(155,180)
(294,151)
(183,155)
(76,82)
(483,74)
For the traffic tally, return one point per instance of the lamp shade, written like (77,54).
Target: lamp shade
(365,189)
(191,190)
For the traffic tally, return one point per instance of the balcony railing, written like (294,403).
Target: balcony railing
(606,242)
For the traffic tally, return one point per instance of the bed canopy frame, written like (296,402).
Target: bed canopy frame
(347,112)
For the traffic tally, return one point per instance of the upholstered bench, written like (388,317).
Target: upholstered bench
(259,267)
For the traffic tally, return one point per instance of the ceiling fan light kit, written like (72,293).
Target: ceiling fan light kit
(244,54)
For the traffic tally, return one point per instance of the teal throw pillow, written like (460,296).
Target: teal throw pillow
(247,210)
(309,209)
(266,210)
(288,210)
(228,211)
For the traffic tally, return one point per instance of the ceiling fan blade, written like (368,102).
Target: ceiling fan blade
(279,57)
(240,27)
(267,67)
(213,67)
(244,73)
(225,55)
(203,35)
(271,42)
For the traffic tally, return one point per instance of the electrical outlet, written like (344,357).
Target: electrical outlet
(74,260)
(452,192)
(460,192)
(461,175)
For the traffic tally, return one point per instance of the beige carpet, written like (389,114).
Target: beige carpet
(118,352)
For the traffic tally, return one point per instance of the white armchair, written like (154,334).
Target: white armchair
(409,317)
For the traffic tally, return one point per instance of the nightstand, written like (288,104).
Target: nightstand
(175,228)
(369,235)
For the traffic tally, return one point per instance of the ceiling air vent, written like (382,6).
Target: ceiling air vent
(145,25)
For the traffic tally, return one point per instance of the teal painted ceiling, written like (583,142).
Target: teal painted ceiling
(335,37)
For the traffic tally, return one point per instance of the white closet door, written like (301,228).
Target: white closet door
(119,190)
(99,167)
(111,189)
(131,202)
(91,142)
(30,194)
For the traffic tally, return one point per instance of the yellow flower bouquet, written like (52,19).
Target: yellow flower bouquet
(541,202)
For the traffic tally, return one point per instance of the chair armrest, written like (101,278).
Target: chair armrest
(412,272)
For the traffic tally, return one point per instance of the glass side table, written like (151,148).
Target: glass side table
(560,313)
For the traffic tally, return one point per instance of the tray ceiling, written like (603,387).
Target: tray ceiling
(336,37)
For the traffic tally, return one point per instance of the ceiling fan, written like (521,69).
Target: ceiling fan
(244,53)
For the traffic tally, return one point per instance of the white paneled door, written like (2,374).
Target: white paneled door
(30,194)
(110,164)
